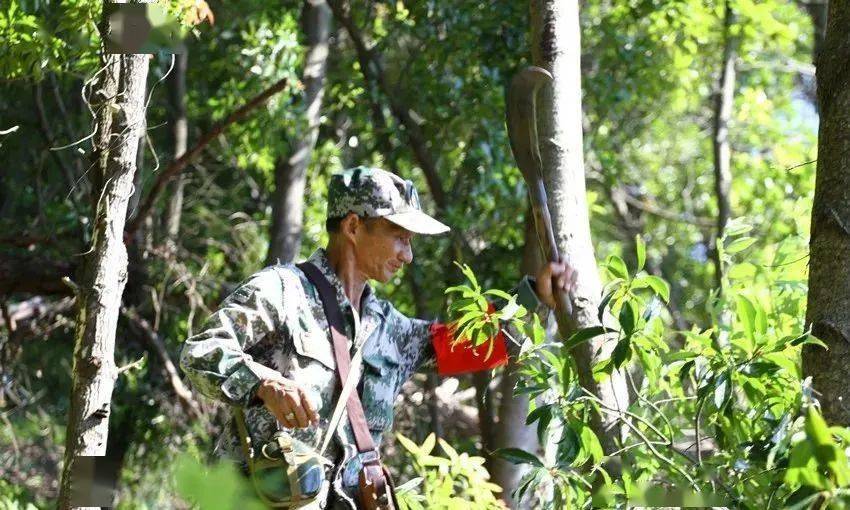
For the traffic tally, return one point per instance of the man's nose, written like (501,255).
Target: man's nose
(407,254)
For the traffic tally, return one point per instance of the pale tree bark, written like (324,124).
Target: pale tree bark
(828,309)
(556,46)
(119,98)
(723,102)
(291,172)
(511,430)
(180,135)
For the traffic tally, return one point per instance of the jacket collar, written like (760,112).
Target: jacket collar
(368,302)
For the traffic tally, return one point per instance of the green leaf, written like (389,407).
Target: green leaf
(784,360)
(543,426)
(429,443)
(747,315)
(628,318)
(622,352)
(583,335)
(409,445)
(603,304)
(538,413)
(736,227)
(518,456)
(739,245)
(498,293)
(660,287)
(640,248)
(808,338)
(722,390)
(617,267)
(589,442)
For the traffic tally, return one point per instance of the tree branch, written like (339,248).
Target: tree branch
(155,343)
(183,161)
(373,73)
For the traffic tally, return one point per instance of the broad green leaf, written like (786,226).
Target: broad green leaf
(617,267)
(622,352)
(518,456)
(409,445)
(429,443)
(498,293)
(628,317)
(739,245)
(589,442)
(583,335)
(537,413)
(747,315)
(660,287)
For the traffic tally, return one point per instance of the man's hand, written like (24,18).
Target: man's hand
(287,402)
(561,275)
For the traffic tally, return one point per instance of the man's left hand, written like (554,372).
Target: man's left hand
(559,275)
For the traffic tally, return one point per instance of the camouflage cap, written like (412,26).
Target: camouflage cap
(375,193)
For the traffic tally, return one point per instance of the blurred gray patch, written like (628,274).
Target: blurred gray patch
(93,481)
(142,28)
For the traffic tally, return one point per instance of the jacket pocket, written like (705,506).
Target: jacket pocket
(380,375)
(316,347)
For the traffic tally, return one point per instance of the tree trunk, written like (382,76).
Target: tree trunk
(724,99)
(104,272)
(556,46)
(828,310)
(290,173)
(180,134)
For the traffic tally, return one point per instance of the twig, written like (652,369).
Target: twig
(130,366)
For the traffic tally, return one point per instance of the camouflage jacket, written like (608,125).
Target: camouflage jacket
(274,324)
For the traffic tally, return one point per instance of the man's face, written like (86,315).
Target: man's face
(382,248)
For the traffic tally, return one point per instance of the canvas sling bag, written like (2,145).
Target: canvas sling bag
(376,490)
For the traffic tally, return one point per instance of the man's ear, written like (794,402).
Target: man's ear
(350,225)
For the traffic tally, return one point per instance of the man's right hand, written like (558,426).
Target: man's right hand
(287,402)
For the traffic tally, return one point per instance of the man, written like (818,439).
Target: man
(268,349)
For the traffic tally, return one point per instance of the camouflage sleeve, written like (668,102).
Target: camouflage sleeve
(215,360)
(413,337)
(526,293)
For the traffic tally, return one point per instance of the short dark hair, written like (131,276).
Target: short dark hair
(332,225)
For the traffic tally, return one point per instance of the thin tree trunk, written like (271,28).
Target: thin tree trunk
(104,271)
(828,310)
(291,172)
(180,134)
(723,103)
(556,46)
(817,10)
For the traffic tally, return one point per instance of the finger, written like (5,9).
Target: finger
(294,401)
(312,415)
(282,415)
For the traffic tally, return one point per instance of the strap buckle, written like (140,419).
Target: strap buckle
(369,457)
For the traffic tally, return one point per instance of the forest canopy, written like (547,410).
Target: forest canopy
(695,155)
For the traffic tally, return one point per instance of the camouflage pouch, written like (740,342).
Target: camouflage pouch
(285,472)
